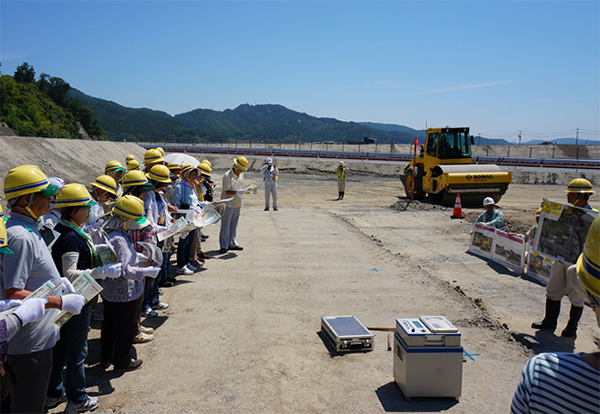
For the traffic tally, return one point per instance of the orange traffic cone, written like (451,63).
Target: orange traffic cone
(457,214)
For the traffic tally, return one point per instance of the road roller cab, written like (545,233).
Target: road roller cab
(444,168)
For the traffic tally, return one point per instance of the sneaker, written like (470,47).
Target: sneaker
(142,338)
(275,209)
(166,283)
(88,405)
(145,329)
(197,262)
(55,402)
(236,248)
(159,305)
(184,271)
(204,236)
(191,267)
(148,312)
(266,208)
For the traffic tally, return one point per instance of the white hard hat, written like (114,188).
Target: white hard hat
(269,160)
(488,201)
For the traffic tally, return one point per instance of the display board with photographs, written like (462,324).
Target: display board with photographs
(538,265)
(509,251)
(562,230)
(482,240)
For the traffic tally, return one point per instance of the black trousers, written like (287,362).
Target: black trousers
(118,330)
(32,372)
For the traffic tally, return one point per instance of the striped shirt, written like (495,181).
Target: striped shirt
(28,268)
(557,383)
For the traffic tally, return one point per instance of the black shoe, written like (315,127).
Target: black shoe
(134,364)
(266,208)
(551,317)
(223,251)
(103,364)
(236,248)
(204,237)
(574,316)
(166,283)
(275,209)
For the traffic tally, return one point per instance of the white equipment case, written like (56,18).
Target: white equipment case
(346,333)
(428,357)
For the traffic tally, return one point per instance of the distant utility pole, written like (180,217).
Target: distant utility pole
(577,137)
(519,137)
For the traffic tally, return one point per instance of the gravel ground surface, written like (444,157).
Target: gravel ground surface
(243,333)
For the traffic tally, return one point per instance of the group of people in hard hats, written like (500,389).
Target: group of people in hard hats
(109,232)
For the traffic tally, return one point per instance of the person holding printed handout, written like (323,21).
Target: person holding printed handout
(29,193)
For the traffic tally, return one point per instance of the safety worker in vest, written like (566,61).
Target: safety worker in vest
(270,174)
(563,381)
(115,170)
(341,183)
(233,186)
(578,194)
(29,193)
(491,217)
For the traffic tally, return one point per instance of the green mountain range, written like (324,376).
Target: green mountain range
(49,106)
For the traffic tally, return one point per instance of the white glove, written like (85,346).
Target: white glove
(72,303)
(32,310)
(112,270)
(9,303)
(255,192)
(151,271)
(240,192)
(67,287)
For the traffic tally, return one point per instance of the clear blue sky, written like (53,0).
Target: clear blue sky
(495,66)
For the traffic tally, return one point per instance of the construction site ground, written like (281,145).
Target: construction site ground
(242,335)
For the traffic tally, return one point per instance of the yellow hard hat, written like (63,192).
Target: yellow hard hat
(580,185)
(130,207)
(133,165)
(135,177)
(74,195)
(186,170)
(538,212)
(159,173)
(241,163)
(153,156)
(174,167)
(162,151)
(106,183)
(588,264)
(129,158)
(207,162)
(204,169)
(113,166)
(26,179)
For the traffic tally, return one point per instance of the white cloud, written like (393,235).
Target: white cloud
(465,87)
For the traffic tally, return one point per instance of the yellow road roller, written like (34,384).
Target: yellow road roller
(445,168)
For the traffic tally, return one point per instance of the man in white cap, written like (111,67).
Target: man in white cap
(491,217)
(270,174)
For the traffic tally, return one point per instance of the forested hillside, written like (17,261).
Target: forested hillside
(43,107)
